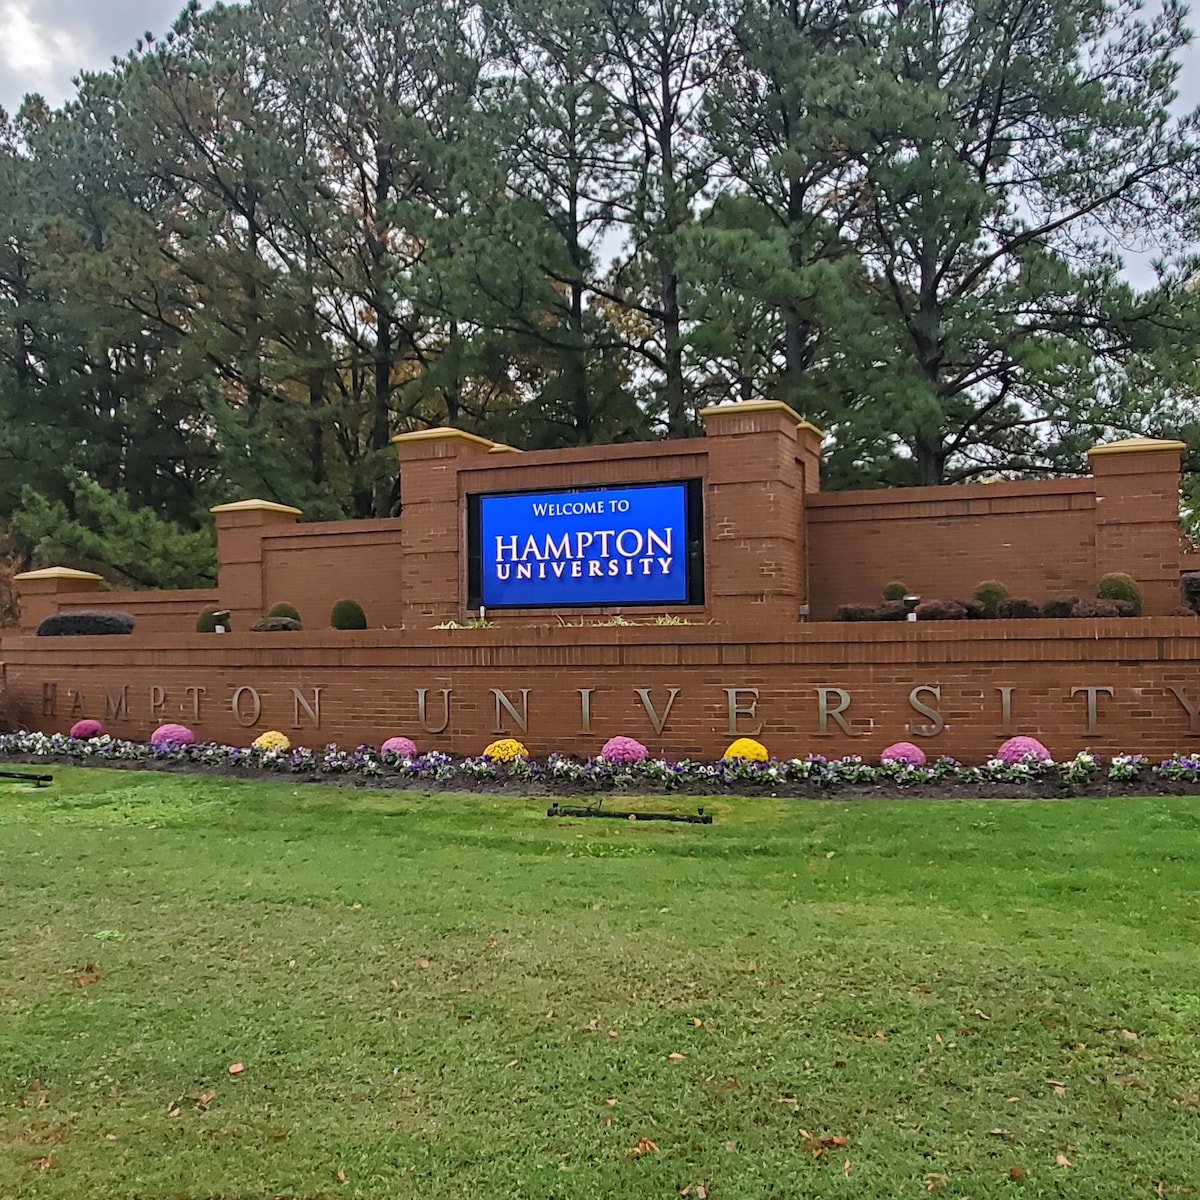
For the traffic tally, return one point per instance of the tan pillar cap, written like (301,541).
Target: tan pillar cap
(1138,445)
(57,573)
(760,406)
(443,433)
(240,506)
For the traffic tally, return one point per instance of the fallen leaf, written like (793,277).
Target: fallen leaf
(44,1163)
(1061,1160)
(110,1137)
(1016,1174)
(513,1063)
(611,1101)
(846,1167)
(174,1111)
(1129,1035)
(236,1068)
(675,1057)
(644,1146)
(701,1191)
(982,1015)
(422,963)
(696,1022)
(608,1118)
(341,1175)
(998,1133)
(492,943)
(612,1033)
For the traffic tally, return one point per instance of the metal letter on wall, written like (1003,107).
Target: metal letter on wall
(117,707)
(1190,706)
(585,709)
(77,709)
(824,712)
(735,710)
(938,721)
(423,714)
(158,697)
(313,710)
(1006,729)
(521,718)
(255,712)
(49,699)
(195,693)
(1092,692)
(655,720)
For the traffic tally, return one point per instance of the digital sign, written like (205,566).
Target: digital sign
(631,545)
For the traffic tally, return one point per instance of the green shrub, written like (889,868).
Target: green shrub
(275,625)
(348,614)
(854,612)
(895,590)
(85,624)
(1016,609)
(1116,585)
(284,609)
(991,593)
(1060,607)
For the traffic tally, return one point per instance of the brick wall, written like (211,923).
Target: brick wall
(871,678)
(1037,537)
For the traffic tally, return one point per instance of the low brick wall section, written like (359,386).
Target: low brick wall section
(957,688)
(152,612)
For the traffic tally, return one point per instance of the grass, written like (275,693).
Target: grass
(448,996)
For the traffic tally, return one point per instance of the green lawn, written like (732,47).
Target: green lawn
(454,996)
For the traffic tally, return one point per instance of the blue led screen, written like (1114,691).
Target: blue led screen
(612,546)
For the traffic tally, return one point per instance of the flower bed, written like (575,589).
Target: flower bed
(558,774)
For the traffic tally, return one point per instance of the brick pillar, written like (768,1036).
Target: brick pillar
(240,568)
(39,591)
(433,522)
(1137,516)
(763,458)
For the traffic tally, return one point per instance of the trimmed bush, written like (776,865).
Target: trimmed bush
(283,609)
(275,625)
(206,621)
(348,614)
(505,750)
(747,749)
(991,593)
(941,610)
(169,735)
(1018,749)
(85,624)
(891,610)
(1191,591)
(974,610)
(1116,585)
(1183,611)
(854,612)
(624,750)
(86,728)
(1060,607)
(1017,609)
(904,752)
(272,740)
(399,745)
(1096,608)
(895,590)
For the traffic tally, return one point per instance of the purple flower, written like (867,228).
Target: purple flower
(1017,749)
(166,736)
(86,729)
(904,752)
(624,750)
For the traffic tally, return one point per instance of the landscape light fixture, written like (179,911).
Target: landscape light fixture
(910,607)
(221,620)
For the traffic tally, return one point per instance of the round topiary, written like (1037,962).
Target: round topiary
(348,614)
(991,593)
(272,740)
(1116,585)
(624,750)
(399,745)
(747,749)
(86,728)
(505,750)
(276,625)
(1018,749)
(85,624)
(166,736)
(895,590)
(283,609)
(904,752)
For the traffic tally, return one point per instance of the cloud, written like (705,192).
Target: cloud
(44,42)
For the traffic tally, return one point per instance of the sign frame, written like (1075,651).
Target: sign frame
(693,536)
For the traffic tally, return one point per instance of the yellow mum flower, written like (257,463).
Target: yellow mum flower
(272,740)
(748,749)
(505,750)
